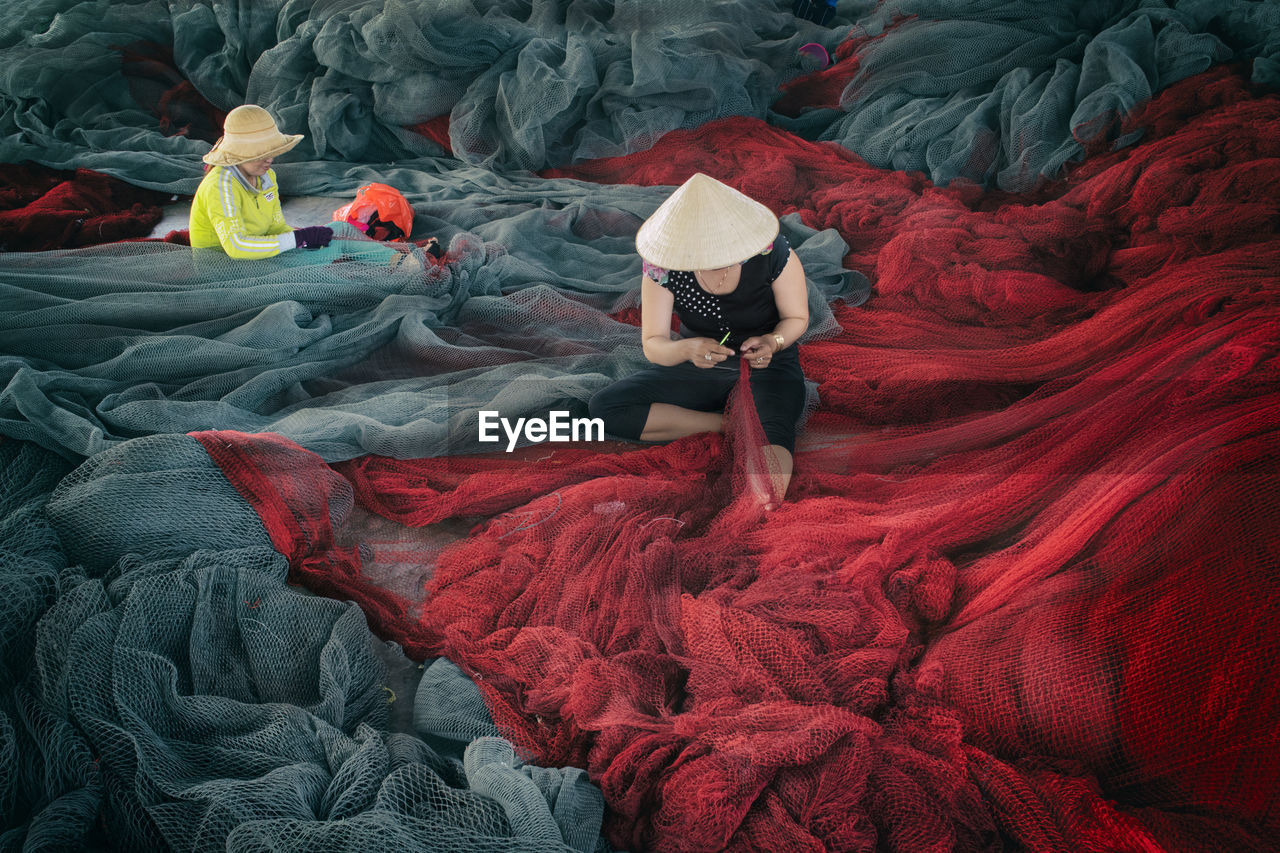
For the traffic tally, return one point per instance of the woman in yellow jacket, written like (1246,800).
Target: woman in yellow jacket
(237,207)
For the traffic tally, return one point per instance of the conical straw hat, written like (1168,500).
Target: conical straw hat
(705,225)
(248,134)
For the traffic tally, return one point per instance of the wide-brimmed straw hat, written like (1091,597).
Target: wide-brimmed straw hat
(248,134)
(705,225)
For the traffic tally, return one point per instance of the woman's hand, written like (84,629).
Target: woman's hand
(313,237)
(758,351)
(704,352)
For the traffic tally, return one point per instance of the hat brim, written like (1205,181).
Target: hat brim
(223,155)
(711,255)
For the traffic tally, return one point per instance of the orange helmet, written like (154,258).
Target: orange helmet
(380,211)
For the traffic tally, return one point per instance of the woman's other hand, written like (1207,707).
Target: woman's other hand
(758,351)
(313,236)
(704,352)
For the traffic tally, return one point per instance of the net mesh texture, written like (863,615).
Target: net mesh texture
(265,589)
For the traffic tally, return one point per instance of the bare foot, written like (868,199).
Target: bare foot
(761,490)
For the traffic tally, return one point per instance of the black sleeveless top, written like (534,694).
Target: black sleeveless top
(749,310)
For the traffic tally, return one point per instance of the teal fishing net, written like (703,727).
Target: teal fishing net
(171,692)
(357,348)
(523,85)
(1000,92)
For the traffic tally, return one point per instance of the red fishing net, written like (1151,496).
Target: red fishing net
(1021,589)
(49,209)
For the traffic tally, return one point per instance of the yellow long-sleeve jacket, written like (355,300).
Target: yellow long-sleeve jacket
(245,223)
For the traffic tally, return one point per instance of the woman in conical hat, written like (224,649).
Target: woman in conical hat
(716,258)
(237,206)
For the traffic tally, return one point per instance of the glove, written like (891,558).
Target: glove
(313,236)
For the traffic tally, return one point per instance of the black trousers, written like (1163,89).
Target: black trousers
(778,392)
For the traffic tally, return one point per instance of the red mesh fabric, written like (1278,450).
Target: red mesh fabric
(819,89)
(155,82)
(823,89)
(1021,591)
(301,504)
(47,209)
(437,130)
(23,183)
